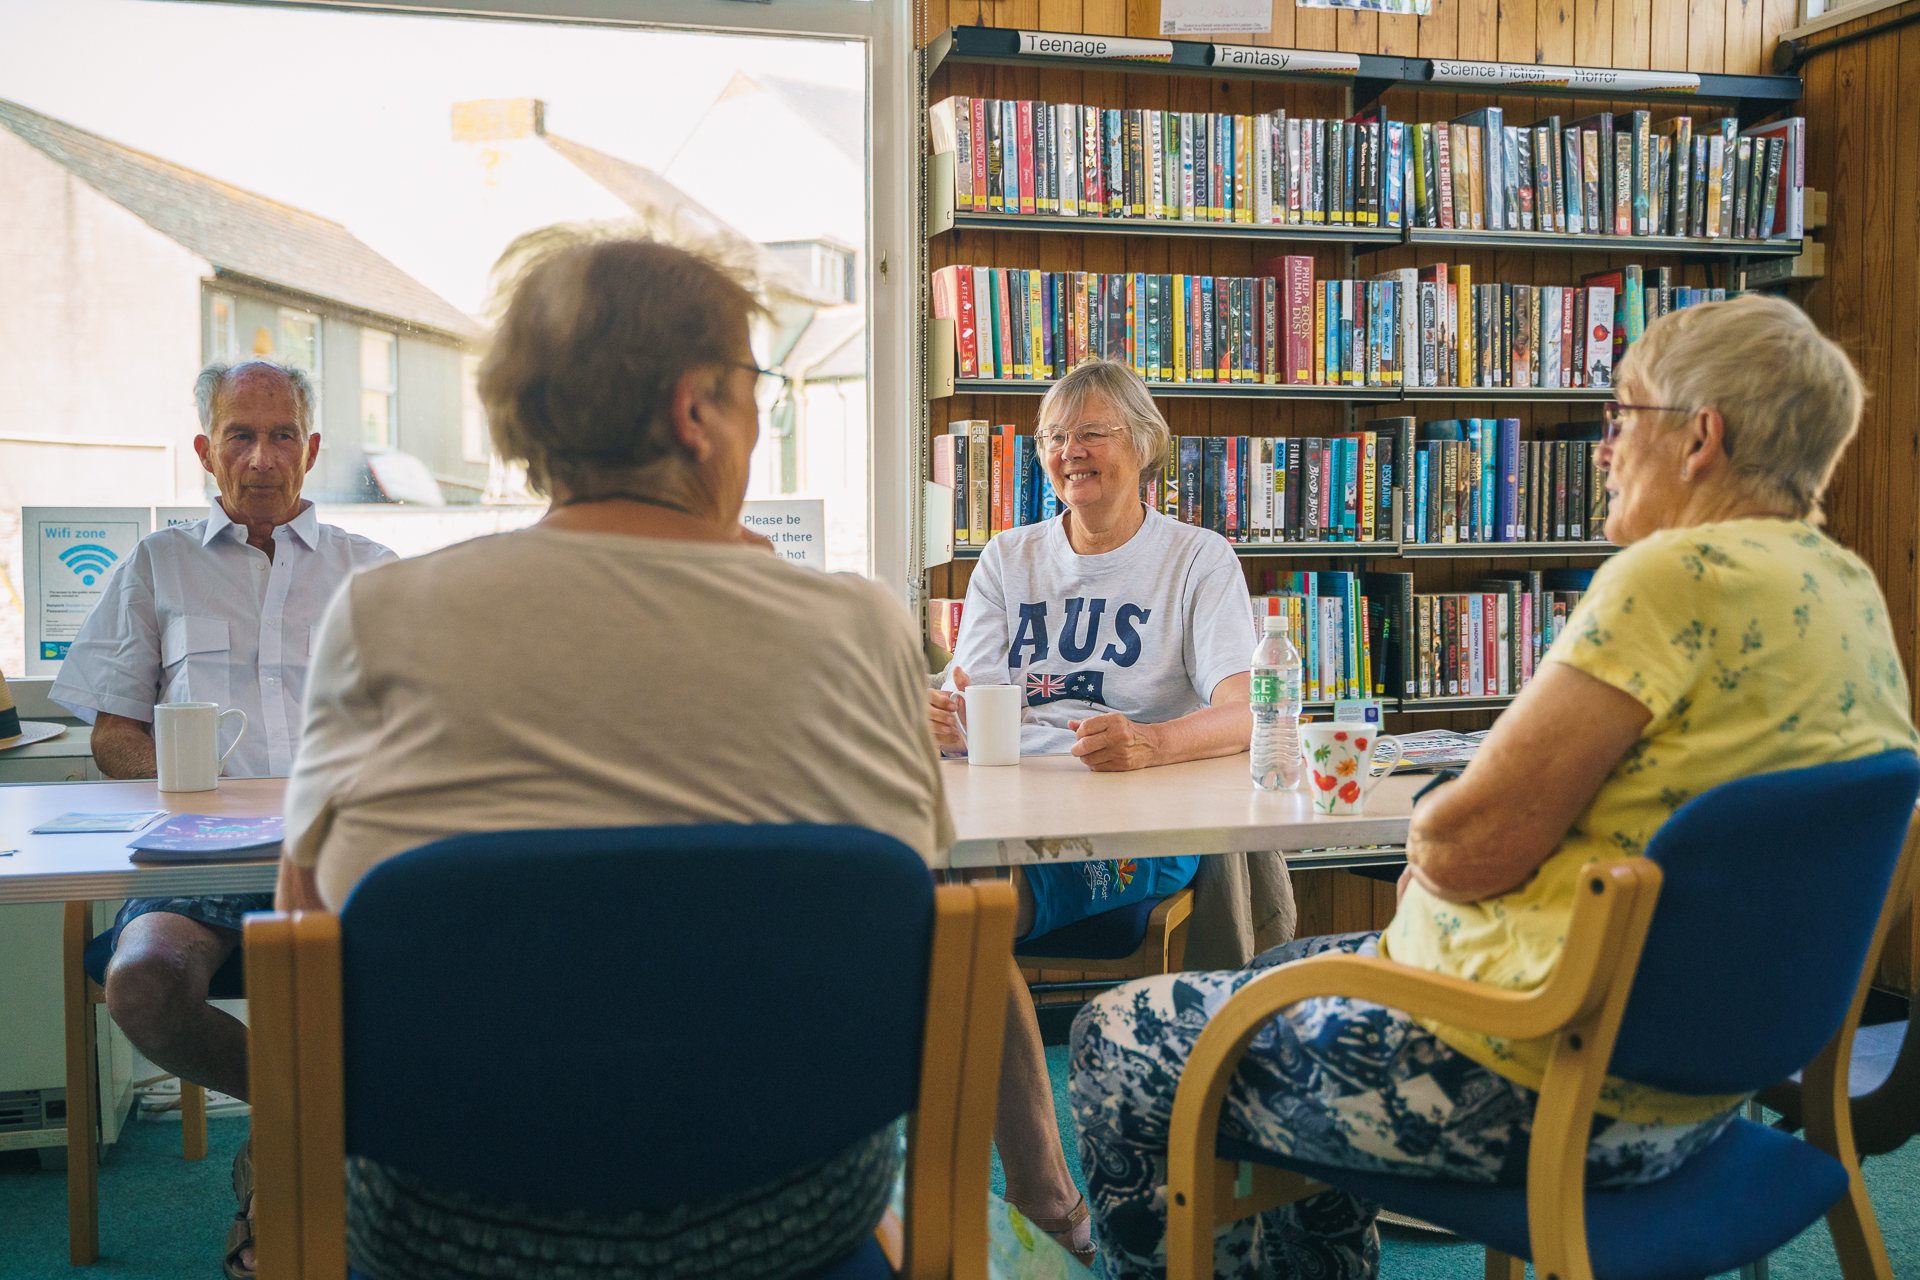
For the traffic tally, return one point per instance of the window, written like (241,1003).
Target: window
(220,321)
(299,342)
(474,445)
(390,210)
(378,377)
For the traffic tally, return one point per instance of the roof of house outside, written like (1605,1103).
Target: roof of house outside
(680,219)
(839,114)
(238,231)
(832,348)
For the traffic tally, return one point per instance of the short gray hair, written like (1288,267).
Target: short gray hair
(215,379)
(1790,397)
(1122,388)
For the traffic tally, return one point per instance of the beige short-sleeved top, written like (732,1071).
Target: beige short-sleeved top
(555,679)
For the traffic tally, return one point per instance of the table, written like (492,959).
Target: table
(80,869)
(1046,809)
(1055,809)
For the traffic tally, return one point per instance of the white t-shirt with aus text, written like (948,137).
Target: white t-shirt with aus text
(1147,629)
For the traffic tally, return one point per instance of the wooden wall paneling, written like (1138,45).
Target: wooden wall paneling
(1593,32)
(1742,55)
(1846,321)
(1668,48)
(1633,36)
(1356,31)
(1399,35)
(1312,28)
(1706,34)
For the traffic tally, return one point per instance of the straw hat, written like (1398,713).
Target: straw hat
(15,732)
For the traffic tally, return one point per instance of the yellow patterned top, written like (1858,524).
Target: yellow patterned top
(1758,645)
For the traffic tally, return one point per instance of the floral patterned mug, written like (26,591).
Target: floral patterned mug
(1343,763)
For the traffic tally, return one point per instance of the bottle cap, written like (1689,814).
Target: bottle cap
(1276,625)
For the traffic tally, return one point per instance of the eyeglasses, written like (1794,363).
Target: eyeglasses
(1055,440)
(1613,411)
(766,386)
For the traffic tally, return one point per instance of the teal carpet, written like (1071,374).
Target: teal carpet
(162,1218)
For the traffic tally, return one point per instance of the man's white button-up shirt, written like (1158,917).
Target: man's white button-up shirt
(197,615)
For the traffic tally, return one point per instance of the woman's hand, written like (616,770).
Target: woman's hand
(947,714)
(1113,744)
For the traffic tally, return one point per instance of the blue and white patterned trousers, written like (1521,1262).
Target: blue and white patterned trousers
(1335,1081)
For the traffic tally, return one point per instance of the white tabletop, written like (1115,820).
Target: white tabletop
(1055,809)
(77,868)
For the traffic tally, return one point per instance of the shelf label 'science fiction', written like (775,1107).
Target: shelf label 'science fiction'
(1610,79)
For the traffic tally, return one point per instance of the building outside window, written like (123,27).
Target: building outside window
(474,445)
(299,342)
(221,344)
(378,379)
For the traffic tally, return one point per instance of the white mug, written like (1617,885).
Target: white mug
(186,744)
(991,730)
(1343,763)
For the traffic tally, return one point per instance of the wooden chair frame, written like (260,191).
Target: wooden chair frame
(1163,949)
(299,1124)
(1581,1006)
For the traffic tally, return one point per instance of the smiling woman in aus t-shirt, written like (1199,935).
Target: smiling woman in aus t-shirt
(1130,633)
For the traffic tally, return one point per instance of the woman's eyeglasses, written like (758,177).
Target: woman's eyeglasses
(1054,440)
(766,385)
(1614,412)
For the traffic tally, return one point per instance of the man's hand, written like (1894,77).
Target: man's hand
(947,714)
(1112,743)
(123,748)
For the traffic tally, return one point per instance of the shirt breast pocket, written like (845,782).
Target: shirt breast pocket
(194,657)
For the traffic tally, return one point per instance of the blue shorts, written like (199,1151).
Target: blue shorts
(1064,892)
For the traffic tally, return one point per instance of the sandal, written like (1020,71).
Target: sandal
(240,1231)
(1061,1230)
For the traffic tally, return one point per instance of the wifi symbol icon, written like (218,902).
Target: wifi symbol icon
(88,561)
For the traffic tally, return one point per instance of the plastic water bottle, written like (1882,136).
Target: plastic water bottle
(1275,752)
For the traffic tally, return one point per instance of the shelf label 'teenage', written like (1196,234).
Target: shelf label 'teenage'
(1608,79)
(1266,59)
(1057,44)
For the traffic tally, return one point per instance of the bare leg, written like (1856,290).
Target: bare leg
(1025,1128)
(157,994)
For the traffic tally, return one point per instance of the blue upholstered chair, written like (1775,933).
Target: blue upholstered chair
(1883,1087)
(1734,953)
(229,982)
(757,997)
(1135,941)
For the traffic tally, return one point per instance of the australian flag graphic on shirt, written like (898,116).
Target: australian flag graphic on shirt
(1085,686)
(1079,637)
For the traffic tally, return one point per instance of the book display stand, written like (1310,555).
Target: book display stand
(1169,76)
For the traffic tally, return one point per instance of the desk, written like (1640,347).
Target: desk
(1055,809)
(77,870)
(1047,809)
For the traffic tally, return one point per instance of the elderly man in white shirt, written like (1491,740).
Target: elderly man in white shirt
(220,610)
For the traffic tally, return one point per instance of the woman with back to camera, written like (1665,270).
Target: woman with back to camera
(1730,637)
(630,660)
(1131,634)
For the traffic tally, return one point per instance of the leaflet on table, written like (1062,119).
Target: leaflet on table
(192,837)
(79,823)
(1436,749)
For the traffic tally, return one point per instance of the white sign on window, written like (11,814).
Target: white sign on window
(797,527)
(1209,17)
(169,517)
(70,554)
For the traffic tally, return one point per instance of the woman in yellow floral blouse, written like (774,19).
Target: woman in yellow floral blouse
(1729,637)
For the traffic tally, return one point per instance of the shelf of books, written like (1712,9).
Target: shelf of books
(1369,75)
(1559,237)
(1602,182)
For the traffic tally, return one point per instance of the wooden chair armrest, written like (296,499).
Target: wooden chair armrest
(1167,928)
(1577,989)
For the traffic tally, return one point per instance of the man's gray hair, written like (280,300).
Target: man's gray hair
(215,379)
(1120,387)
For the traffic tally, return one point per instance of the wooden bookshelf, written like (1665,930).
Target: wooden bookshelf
(985,62)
